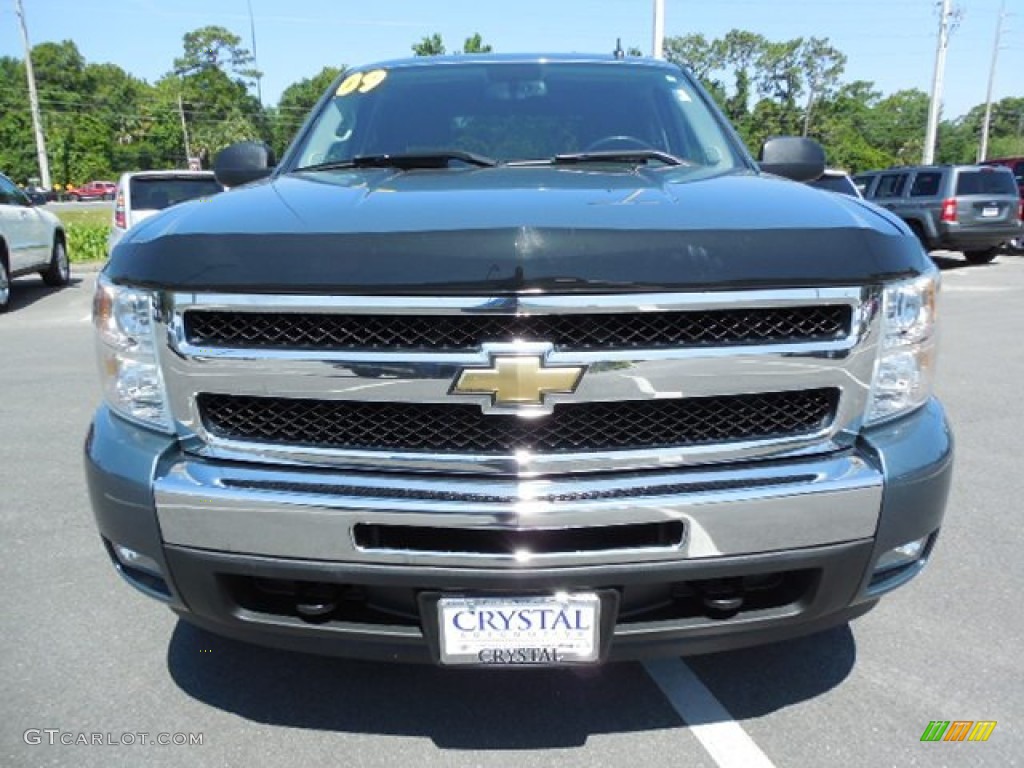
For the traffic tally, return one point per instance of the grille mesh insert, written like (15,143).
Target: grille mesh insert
(645,330)
(464,429)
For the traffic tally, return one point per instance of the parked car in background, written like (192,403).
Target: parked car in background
(31,240)
(94,190)
(836,181)
(969,208)
(38,195)
(1016,165)
(139,195)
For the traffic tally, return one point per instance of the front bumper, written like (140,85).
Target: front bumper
(229,541)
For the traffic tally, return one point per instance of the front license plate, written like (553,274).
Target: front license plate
(990,212)
(536,631)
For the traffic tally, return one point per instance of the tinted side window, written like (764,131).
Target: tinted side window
(1018,171)
(926,184)
(863,183)
(891,185)
(985,183)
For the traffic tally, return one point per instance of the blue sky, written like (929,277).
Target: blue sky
(890,42)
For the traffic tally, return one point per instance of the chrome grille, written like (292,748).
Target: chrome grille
(637,330)
(463,429)
(671,379)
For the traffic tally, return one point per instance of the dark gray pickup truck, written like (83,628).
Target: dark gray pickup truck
(518,361)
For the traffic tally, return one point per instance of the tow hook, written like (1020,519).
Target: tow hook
(722,598)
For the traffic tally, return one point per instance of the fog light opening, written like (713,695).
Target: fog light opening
(130,558)
(902,556)
(900,564)
(139,570)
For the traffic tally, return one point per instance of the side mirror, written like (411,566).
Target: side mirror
(243,162)
(793,157)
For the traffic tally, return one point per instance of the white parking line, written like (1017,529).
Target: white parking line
(721,736)
(978,288)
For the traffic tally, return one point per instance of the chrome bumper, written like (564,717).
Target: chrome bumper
(312,516)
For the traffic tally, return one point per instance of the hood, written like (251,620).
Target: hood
(515,229)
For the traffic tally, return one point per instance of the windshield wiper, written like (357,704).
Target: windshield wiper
(636,156)
(405,162)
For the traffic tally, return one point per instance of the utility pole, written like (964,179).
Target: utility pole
(255,62)
(184,128)
(983,150)
(33,100)
(658,46)
(940,71)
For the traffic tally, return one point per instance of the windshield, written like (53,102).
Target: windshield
(516,112)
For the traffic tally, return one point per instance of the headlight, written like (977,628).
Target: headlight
(905,368)
(129,373)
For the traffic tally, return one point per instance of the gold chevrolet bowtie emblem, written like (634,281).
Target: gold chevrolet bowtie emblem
(518,380)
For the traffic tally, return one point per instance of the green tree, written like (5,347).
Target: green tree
(843,123)
(960,140)
(215,74)
(780,81)
(434,46)
(119,101)
(823,65)
(79,107)
(429,46)
(700,57)
(215,47)
(17,147)
(475,44)
(296,102)
(898,124)
(741,51)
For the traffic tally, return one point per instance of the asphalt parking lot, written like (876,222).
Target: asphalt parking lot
(82,653)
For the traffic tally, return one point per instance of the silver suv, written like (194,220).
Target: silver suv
(969,208)
(144,193)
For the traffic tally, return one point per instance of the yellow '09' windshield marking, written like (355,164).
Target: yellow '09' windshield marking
(364,82)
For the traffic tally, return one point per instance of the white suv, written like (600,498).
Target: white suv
(31,240)
(143,193)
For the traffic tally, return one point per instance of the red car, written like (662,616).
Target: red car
(94,190)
